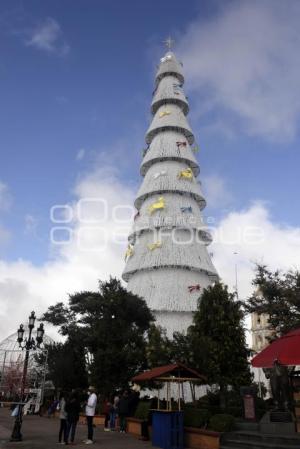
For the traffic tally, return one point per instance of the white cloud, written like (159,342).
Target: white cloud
(256,239)
(245,66)
(80,264)
(48,36)
(31,224)
(80,154)
(217,192)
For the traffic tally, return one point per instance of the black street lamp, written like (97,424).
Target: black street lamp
(28,344)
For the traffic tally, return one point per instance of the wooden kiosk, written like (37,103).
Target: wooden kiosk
(167,424)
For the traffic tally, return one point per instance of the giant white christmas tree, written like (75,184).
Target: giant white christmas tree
(167,262)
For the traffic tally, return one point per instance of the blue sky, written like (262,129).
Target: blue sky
(92,94)
(76,83)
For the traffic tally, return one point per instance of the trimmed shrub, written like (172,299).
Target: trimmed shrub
(142,410)
(222,422)
(236,411)
(195,417)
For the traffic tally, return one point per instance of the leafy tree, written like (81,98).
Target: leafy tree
(111,326)
(158,348)
(276,294)
(66,365)
(217,340)
(181,349)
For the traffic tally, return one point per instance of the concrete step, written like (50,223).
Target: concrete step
(241,444)
(247,426)
(256,440)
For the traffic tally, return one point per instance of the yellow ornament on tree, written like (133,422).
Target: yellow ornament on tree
(186,174)
(164,113)
(160,204)
(155,245)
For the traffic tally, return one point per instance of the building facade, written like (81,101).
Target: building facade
(260,331)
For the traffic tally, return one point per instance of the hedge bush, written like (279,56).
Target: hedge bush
(142,410)
(195,417)
(222,422)
(235,411)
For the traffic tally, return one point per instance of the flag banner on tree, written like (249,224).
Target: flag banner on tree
(186,174)
(181,144)
(154,245)
(164,113)
(176,89)
(129,252)
(194,288)
(186,209)
(160,173)
(160,204)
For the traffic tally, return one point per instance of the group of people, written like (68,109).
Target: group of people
(70,406)
(69,410)
(120,406)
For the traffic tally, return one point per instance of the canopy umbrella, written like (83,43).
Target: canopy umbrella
(285,349)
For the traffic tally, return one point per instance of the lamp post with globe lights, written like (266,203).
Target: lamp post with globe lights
(28,344)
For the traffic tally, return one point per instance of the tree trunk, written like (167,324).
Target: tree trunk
(222,397)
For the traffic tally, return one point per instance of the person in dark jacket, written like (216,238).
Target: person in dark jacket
(134,398)
(73,409)
(123,408)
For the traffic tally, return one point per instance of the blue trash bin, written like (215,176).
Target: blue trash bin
(167,429)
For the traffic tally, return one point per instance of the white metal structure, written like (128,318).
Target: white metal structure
(11,372)
(167,259)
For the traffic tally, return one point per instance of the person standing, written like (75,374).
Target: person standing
(73,410)
(106,410)
(113,412)
(63,419)
(90,410)
(123,408)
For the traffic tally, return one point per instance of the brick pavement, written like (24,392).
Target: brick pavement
(41,433)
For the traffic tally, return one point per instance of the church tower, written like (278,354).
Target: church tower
(167,262)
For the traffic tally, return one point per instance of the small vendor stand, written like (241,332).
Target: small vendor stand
(167,424)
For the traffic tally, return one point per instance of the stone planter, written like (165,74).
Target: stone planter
(195,438)
(134,426)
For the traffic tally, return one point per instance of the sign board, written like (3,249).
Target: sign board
(249,407)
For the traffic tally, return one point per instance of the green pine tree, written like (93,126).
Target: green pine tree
(217,340)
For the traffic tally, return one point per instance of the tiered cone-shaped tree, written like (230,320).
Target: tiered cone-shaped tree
(167,262)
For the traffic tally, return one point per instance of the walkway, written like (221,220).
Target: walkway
(41,433)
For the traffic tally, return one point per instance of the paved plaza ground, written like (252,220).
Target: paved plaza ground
(40,433)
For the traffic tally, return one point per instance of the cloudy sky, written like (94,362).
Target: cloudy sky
(76,83)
